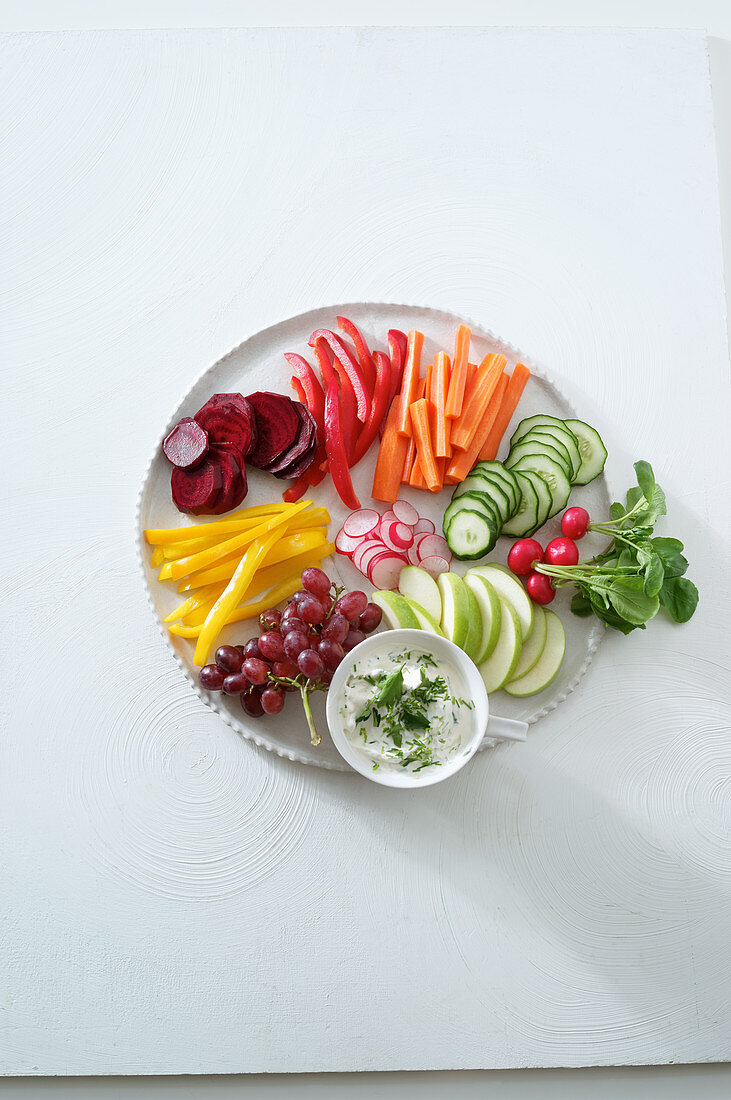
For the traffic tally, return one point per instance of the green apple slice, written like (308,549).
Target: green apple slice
(500,665)
(489,608)
(546,668)
(473,641)
(417,585)
(424,619)
(533,648)
(510,588)
(455,607)
(396,610)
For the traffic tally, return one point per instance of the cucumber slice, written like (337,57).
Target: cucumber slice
(498,471)
(552,472)
(563,435)
(535,645)
(543,420)
(500,665)
(537,435)
(477,502)
(546,668)
(592,450)
(470,534)
(545,500)
(526,518)
(533,447)
(484,485)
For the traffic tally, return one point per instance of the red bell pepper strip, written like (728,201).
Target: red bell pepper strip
(348,417)
(348,366)
(379,406)
(310,392)
(296,490)
(397,342)
(335,448)
(365,359)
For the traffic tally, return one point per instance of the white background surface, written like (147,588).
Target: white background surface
(637,423)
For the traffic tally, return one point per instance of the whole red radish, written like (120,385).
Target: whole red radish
(540,588)
(523,555)
(575,522)
(561,551)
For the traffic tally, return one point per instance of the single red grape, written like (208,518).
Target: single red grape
(310,664)
(370,619)
(229,658)
(212,677)
(575,522)
(251,649)
(251,702)
(272,700)
(289,612)
(286,668)
(316,581)
(271,645)
(352,605)
(331,652)
(311,610)
(540,588)
(352,639)
(336,627)
(255,670)
(235,683)
(561,551)
(295,623)
(294,643)
(270,620)
(523,555)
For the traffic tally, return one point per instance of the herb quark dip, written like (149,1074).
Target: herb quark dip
(402,710)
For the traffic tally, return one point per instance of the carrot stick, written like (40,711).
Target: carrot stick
(420,420)
(486,379)
(409,381)
(416,478)
(513,393)
(391,456)
(411,453)
(438,398)
(458,377)
(464,460)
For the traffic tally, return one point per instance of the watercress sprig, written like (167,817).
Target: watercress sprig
(638,573)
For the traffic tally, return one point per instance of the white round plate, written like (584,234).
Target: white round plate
(258,364)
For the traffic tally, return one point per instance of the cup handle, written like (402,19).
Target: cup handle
(506,729)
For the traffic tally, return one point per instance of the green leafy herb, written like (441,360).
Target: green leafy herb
(637,573)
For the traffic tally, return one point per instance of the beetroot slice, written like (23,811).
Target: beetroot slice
(229,422)
(302,463)
(233,485)
(277,425)
(306,436)
(195,491)
(187,444)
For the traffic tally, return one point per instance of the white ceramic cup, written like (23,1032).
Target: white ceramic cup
(481,724)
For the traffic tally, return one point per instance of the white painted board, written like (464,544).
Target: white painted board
(177,901)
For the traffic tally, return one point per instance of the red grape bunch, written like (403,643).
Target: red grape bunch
(298,649)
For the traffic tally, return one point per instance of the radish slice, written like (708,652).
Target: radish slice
(366,546)
(423,526)
(434,564)
(362,559)
(346,544)
(397,536)
(385,570)
(434,544)
(362,522)
(406,513)
(413,553)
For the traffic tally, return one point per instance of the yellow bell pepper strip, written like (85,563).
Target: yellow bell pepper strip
(316,517)
(157,557)
(176,569)
(232,523)
(286,548)
(274,596)
(229,598)
(205,595)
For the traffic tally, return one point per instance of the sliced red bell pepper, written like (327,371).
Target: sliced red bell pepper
(335,448)
(348,417)
(365,358)
(345,360)
(397,342)
(379,406)
(309,390)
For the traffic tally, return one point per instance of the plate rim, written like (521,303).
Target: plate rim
(597,630)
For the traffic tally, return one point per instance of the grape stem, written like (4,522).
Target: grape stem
(314,735)
(305,686)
